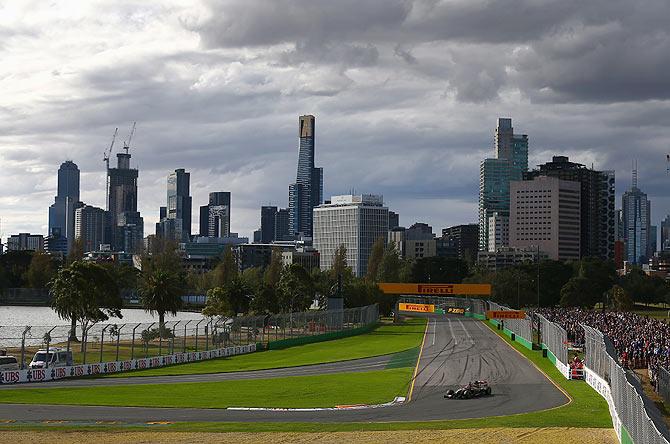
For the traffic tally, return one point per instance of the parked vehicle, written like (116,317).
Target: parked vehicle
(8,363)
(57,357)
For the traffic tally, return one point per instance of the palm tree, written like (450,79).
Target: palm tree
(160,291)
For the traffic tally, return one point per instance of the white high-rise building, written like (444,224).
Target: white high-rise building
(353,221)
(498,232)
(89,227)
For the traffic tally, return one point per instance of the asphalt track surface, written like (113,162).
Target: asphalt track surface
(456,350)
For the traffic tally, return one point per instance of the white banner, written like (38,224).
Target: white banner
(50,374)
(602,387)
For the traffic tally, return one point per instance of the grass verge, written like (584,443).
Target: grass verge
(315,391)
(385,339)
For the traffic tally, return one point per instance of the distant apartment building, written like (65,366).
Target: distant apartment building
(545,212)
(394,220)
(353,221)
(665,234)
(308,259)
(598,216)
(459,241)
(498,231)
(25,242)
(89,227)
(495,175)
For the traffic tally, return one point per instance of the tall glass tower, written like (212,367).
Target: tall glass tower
(61,212)
(636,223)
(495,174)
(307,191)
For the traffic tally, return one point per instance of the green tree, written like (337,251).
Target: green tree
(340,266)
(76,251)
(375,259)
(620,298)
(391,265)
(15,264)
(226,270)
(218,303)
(440,270)
(574,291)
(273,271)
(160,292)
(40,271)
(84,292)
(296,290)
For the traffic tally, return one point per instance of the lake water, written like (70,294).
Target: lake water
(22,316)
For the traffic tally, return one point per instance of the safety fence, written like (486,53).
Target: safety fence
(662,381)
(636,419)
(102,343)
(522,328)
(554,338)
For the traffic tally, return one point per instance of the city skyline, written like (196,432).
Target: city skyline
(424,100)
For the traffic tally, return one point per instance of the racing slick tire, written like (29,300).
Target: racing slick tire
(488,391)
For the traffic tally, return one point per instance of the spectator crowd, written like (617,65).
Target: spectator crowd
(640,341)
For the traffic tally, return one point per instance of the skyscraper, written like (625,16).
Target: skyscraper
(636,210)
(126,226)
(268,224)
(495,174)
(307,191)
(176,217)
(665,234)
(211,222)
(281,225)
(61,212)
(598,216)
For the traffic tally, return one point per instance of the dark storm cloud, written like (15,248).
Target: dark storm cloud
(557,51)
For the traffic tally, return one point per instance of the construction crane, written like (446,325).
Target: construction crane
(105,158)
(126,145)
(106,154)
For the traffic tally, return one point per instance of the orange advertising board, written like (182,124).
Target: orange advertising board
(421,308)
(506,314)
(437,289)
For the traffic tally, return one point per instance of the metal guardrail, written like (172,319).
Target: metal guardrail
(126,341)
(639,418)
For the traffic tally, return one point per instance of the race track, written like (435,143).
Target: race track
(456,350)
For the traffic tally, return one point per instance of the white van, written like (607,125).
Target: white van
(57,357)
(8,363)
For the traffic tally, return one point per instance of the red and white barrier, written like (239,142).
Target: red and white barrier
(53,373)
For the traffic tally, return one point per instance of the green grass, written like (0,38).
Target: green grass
(386,339)
(587,409)
(291,392)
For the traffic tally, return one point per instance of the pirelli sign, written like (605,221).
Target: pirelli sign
(506,314)
(437,289)
(417,308)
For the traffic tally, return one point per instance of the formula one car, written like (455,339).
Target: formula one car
(474,389)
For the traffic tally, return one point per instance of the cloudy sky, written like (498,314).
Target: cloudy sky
(406,96)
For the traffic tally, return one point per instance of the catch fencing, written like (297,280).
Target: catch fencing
(635,418)
(522,328)
(555,339)
(662,378)
(102,343)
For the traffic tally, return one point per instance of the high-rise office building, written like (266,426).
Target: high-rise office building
(545,213)
(125,224)
(653,240)
(353,221)
(665,234)
(495,175)
(307,191)
(394,220)
(211,225)
(61,212)
(175,224)
(598,215)
(89,227)
(268,220)
(498,232)
(636,210)
(282,232)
